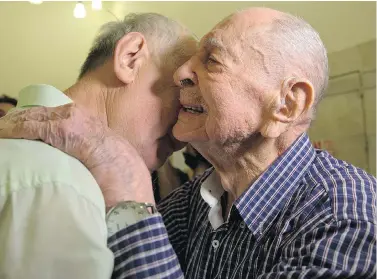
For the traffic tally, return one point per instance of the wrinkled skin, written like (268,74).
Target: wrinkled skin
(110,158)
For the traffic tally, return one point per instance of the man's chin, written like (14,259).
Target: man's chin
(186,136)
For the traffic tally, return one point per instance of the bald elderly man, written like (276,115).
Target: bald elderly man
(272,206)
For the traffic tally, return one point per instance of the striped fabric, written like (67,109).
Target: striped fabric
(308,216)
(143,251)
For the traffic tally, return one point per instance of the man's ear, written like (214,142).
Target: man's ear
(296,97)
(130,53)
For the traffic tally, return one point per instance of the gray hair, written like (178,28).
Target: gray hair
(157,29)
(301,47)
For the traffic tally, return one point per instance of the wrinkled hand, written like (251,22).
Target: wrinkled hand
(114,163)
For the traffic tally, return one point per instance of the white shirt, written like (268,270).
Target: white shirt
(52,212)
(211,192)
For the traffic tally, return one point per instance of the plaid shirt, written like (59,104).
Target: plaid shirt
(308,216)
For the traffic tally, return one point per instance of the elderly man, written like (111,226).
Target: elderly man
(272,206)
(52,211)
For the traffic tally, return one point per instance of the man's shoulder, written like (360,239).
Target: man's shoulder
(351,190)
(26,164)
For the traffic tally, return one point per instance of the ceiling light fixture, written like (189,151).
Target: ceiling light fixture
(79,11)
(97,5)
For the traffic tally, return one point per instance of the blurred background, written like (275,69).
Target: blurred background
(47,42)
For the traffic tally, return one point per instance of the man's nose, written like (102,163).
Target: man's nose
(185,76)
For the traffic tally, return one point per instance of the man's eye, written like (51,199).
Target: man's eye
(211,60)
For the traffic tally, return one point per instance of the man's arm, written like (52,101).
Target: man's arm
(114,163)
(175,209)
(143,250)
(51,231)
(344,249)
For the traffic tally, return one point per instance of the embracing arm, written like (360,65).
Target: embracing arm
(141,250)
(155,247)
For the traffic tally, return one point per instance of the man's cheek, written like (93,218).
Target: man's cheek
(223,130)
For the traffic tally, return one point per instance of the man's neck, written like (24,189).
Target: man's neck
(238,167)
(91,96)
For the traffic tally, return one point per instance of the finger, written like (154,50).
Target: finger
(40,114)
(34,113)
(46,131)
(32,130)
(11,117)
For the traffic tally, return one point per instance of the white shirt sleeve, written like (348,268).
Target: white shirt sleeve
(51,231)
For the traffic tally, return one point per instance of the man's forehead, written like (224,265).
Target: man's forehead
(235,26)
(221,36)
(221,41)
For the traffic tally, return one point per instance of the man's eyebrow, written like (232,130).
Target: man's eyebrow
(210,43)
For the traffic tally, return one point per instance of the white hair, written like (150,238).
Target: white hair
(157,29)
(302,49)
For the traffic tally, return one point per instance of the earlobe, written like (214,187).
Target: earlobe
(275,123)
(273,129)
(130,53)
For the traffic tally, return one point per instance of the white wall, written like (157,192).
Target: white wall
(346,122)
(43,43)
(46,44)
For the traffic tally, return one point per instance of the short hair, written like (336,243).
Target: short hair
(156,28)
(8,100)
(300,46)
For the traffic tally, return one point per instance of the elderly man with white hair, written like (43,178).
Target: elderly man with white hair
(52,211)
(272,206)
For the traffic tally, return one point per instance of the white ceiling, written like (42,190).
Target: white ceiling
(46,44)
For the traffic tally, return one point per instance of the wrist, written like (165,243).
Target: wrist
(127,213)
(112,200)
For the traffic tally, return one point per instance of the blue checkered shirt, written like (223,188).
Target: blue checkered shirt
(308,216)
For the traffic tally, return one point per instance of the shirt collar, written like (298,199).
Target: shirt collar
(41,95)
(263,200)
(211,189)
(211,192)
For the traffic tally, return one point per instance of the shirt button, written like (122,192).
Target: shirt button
(242,225)
(215,244)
